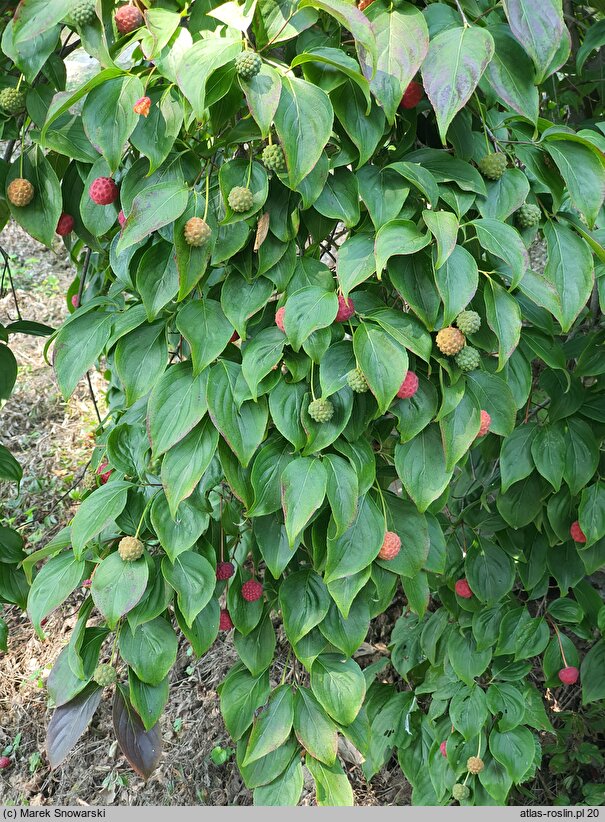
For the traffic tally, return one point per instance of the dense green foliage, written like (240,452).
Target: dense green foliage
(301,226)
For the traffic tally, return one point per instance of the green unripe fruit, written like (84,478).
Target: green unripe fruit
(240,199)
(12,101)
(357,381)
(469,322)
(105,675)
(493,166)
(83,12)
(460,792)
(248,64)
(528,215)
(273,158)
(321,410)
(468,359)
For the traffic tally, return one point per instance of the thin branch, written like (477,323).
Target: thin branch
(92,397)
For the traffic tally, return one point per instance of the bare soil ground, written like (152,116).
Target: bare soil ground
(52,440)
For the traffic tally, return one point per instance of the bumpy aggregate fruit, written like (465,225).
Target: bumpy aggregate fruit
(130,549)
(279,318)
(469,322)
(450,340)
(65,225)
(468,359)
(273,158)
(225,622)
(142,106)
(83,12)
(474,764)
(412,95)
(486,421)
(4,763)
(128,18)
(528,215)
(104,675)
(391,546)
(463,589)
(196,232)
(346,309)
(493,166)
(569,675)
(20,192)
(248,64)
(224,570)
(357,381)
(408,387)
(103,191)
(12,101)
(240,199)
(321,410)
(252,590)
(460,792)
(577,534)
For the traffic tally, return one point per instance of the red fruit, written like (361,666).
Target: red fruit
(103,191)
(577,534)
(224,622)
(412,95)
(569,676)
(462,588)
(252,590)
(279,318)
(103,474)
(142,106)
(409,386)
(87,583)
(128,18)
(234,337)
(4,763)
(391,546)
(224,570)
(75,300)
(443,748)
(65,225)
(346,309)
(485,424)
(121,217)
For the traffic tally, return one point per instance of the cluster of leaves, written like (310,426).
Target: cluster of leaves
(209,453)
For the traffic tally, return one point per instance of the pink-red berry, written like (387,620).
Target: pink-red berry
(486,421)
(225,623)
(103,191)
(224,570)
(103,473)
(412,95)
(443,748)
(279,318)
(391,546)
(65,225)
(4,763)
(75,300)
(577,534)
(128,18)
(121,217)
(87,583)
(346,309)
(462,588)
(409,386)
(142,106)
(569,675)
(252,590)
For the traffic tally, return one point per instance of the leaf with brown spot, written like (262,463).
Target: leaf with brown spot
(262,229)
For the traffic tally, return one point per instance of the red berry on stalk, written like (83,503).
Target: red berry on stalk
(252,590)
(486,421)
(346,309)
(569,675)
(279,318)
(412,95)
(391,546)
(224,570)
(128,18)
(462,588)
(4,763)
(224,622)
(103,191)
(409,386)
(65,225)
(577,534)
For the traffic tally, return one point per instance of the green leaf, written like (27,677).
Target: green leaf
(272,726)
(313,728)
(468,711)
(490,572)
(307,310)
(504,318)
(117,586)
(256,649)
(8,372)
(199,61)
(515,749)
(204,630)
(241,694)
(516,460)
(150,650)
(286,405)
(342,489)
(348,633)
(504,242)
(206,329)
(176,404)
(155,135)
(272,541)
(510,73)
(36,17)
(240,299)
(339,198)
(109,118)
(539,27)
(152,208)
(303,122)
(78,344)
(304,602)
(591,674)
(456,59)
(178,534)
(148,701)
(193,579)
(504,196)
(52,585)
(395,238)
(443,225)
(140,359)
(494,396)
(262,95)
(283,791)
(383,361)
(98,511)
(459,429)
(465,658)
(268,466)
(332,787)
(364,125)
(456,281)
(157,278)
(339,686)
(303,488)
(584,175)
(592,512)
(509,701)
(581,456)
(184,464)
(569,270)
(261,356)
(353,20)
(239,172)
(412,461)
(355,549)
